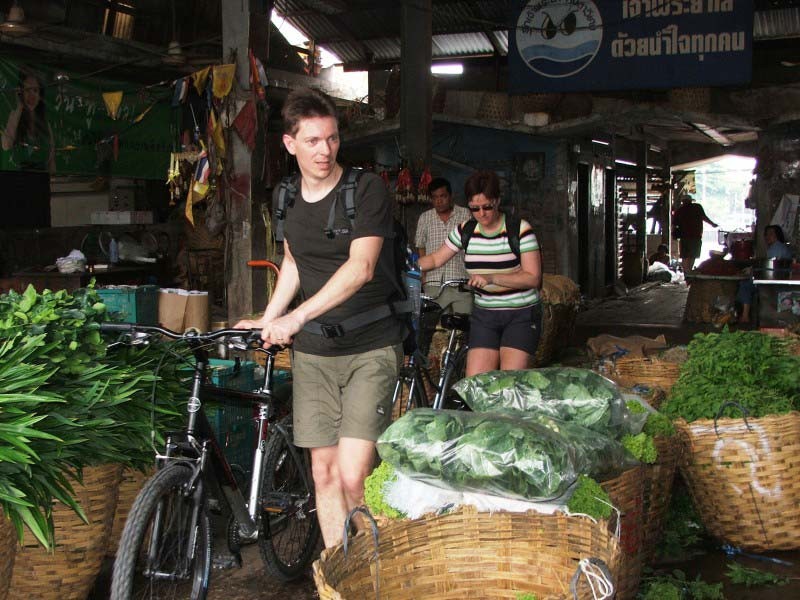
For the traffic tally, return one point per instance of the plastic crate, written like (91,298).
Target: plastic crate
(131,303)
(232,374)
(235,428)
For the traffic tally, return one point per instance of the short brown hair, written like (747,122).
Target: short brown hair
(305,103)
(482,182)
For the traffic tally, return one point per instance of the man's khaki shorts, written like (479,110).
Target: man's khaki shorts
(343,396)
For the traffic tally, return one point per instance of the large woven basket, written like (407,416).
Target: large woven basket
(558,324)
(8,550)
(744,479)
(704,294)
(658,480)
(467,554)
(130,485)
(69,572)
(649,371)
(627,495)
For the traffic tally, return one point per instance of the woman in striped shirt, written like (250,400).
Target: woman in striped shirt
(506,320)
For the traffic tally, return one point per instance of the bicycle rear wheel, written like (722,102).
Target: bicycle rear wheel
(165,548)
(289,526)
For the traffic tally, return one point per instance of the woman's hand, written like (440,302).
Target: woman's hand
(481,281)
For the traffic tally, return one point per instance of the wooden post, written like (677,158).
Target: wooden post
(415,76)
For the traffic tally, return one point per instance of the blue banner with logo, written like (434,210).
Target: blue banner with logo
(578,45)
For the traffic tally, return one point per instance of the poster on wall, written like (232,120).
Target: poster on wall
(578,45)
(60,123)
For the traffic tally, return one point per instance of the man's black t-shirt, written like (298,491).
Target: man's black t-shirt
(319,257)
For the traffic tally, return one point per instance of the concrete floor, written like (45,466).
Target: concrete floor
(649,310)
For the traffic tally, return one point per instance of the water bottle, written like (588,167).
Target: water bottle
(413,279)
(113,251)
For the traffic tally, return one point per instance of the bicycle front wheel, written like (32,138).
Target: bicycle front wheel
(289,526)
(165,548)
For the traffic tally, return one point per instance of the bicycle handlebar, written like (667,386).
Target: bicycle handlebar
(461,284)
(251,337)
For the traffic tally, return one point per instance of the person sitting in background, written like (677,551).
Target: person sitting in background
(661,255)
(776,248)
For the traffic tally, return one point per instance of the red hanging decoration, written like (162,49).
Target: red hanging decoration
(385,177)
(404,189)
(423,196)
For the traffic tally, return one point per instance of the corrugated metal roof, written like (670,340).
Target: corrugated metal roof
(358,30)
(775,24)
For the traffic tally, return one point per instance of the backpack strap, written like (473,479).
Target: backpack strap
(287,192)
(348,190)
(513,224)
(467,229)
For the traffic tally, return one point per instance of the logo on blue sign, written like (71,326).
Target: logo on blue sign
(558,38)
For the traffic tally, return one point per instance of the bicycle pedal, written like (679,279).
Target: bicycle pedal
(276,503)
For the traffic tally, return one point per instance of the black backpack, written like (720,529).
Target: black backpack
(513,224)
(347,187)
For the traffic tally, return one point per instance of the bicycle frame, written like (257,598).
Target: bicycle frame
(210,463)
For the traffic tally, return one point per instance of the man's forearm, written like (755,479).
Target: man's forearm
(344,283)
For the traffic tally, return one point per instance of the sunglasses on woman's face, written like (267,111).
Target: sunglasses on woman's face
(484,208)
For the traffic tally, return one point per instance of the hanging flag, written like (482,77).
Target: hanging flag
(215,132)
(222,81)
(112,100)
(199,78)
(144,112)
(202,170)
(246,124)
(181,89)
(188,212)
(256,81)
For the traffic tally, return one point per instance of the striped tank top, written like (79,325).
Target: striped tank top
(491,254)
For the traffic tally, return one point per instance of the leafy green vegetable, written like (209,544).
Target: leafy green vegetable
(683,529)
(535,457)
(65,403)
(751,368)
(641,446)
(569,394)
(667,587)
(526,596)
(375,490)
(590,499)
(753,577)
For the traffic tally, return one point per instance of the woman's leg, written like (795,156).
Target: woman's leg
(513,359)
(481,360)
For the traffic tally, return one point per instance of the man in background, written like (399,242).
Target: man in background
(689,219)
(433,227)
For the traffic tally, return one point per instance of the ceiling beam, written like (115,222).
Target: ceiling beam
(396,36)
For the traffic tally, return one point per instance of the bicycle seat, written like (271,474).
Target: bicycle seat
(456,321)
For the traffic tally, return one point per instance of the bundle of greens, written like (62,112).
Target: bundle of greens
(590,499)
(70,403)
(535,458)
(753,369)
(569,394)
(375,491)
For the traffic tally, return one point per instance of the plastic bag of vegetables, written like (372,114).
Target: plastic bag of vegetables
(534,458)
(569,394)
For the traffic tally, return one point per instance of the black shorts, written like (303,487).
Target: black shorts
(518,328)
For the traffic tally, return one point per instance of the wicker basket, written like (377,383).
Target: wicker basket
(69,572)
(130,485)
(652,372)
(494,106)
(8,550)
(704,294)
(744,479)
(558,324)
(658,480)
(627,495)
(467,554)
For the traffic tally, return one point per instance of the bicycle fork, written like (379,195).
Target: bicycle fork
(446,372)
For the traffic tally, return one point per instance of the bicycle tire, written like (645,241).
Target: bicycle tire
(454,372)
(129,581)
(289,527)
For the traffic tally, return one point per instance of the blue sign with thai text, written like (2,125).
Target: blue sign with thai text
(576,45)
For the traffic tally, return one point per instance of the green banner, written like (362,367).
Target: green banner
(59,122)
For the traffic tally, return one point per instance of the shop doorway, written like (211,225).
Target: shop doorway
(722,186)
